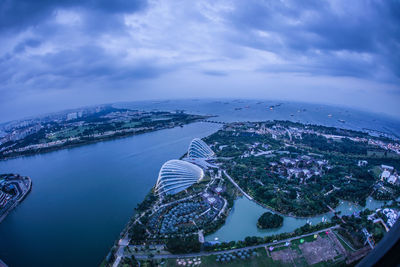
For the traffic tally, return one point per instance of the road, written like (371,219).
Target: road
(208,253)
(237,186)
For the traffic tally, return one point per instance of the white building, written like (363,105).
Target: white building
(199,149)
(387,168)
(72,116)
(177,175)
(385,175)
(392,179)
(391,216)
(362,163)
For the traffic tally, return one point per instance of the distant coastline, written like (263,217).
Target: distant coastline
(51,134)
(86,142)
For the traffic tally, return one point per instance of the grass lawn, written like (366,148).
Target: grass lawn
(377,171)
(131,124)
(323,235)
(339,237)
(296,242)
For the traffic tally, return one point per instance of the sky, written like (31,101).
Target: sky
(65,54)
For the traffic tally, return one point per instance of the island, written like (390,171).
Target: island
(269,220)
(13,189)
(289,168)
(83,126)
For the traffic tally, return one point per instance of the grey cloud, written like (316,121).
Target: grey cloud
(90,64)
(26,43)
(303,27)
(215,73)
(18,14)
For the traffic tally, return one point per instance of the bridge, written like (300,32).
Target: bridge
(211,121)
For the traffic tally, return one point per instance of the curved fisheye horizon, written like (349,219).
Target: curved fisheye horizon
(199,133)
(323,51)
(49,110)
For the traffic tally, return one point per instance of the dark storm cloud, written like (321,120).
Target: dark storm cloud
(18,14)
(318,29)
(88,64)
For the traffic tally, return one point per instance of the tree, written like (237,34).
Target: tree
(138,232)
(269,220)
(183,245)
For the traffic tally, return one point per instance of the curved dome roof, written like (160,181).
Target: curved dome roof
(177,175)
(199,149)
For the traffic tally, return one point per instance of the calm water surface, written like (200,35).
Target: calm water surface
(242,221)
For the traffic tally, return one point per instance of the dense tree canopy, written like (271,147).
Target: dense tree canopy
(269,220)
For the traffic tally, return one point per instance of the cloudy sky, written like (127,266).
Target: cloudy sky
(62,54)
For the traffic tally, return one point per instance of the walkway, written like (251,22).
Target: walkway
(237,186)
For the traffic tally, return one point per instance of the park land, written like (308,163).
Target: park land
(291,168)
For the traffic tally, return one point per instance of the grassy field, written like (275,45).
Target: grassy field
(377,171)
(339,237)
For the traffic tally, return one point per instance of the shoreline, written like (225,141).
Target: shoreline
(19,200)
(307,217)
(251,198)
(88,142)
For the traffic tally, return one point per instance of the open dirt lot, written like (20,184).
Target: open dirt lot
(322,249)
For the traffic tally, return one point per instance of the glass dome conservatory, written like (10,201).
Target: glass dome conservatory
(177,175)
(199,149)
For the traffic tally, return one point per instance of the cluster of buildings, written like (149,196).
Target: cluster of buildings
(13,188)
(117,116)
(8,190)
(293,132)
(20,133)
(257,149)
(303,167)
(394,147)
(4,198)
(187,215)
(389,174)
(391,216)
(17,130)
